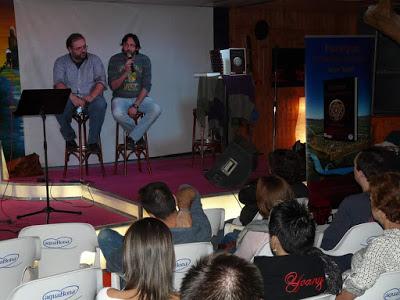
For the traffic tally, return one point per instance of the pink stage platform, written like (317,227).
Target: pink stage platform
(173,171)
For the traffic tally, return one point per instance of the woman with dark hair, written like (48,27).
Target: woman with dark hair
(270,191)
(297,270)
(383,253)
(284,163)
(149,262)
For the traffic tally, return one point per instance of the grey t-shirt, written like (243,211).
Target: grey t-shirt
(136,80)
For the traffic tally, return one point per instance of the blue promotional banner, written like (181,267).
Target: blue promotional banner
(339,76)
(11,128)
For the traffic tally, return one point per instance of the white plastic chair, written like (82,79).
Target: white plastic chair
(78,284)
(16,257)
(265,250)
(115,281)
(356,238)
(186,255)
(216,216)
(303,201)
(229,227)
(321,297)
(319,234)
(386,287)
(62,246)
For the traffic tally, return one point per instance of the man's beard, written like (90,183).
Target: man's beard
(129,53)
(80,57)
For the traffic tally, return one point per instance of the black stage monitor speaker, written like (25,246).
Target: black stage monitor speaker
(234,165)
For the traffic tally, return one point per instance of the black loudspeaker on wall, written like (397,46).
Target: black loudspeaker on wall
(387,70)
(234,166)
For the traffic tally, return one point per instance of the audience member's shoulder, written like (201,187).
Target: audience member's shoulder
(388,237)
(300,190)
(174,296)
(355,200)
(270,267)
(103,294)
(290,261)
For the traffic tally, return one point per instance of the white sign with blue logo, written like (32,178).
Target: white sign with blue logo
(10,261)
(63,242)
(63,294)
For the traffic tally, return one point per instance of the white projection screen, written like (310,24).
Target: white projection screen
(177,40)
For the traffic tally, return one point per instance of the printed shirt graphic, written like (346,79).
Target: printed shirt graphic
(131,84)
(292,276)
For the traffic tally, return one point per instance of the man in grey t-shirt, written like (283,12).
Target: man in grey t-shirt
(129,77)
(84,74)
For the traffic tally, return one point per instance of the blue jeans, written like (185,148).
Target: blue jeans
(96,111)
(151,110)
(111,244)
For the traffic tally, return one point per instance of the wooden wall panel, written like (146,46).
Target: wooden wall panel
(289,21)
(382,126)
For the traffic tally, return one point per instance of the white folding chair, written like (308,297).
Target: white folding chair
(321,297)
(115,281)
(303,201)
(356,238)
(229,227)
(62,246)
(265,250)
(386,287)
(319,234)
(16,257)
(186,255)
(79,284)
(216,216)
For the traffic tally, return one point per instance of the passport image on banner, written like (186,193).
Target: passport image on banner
(340,109)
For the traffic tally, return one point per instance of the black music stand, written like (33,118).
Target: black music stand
(43,102)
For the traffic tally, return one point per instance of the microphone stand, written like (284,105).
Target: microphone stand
(48,209)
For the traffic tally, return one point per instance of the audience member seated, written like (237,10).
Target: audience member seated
(271,190)
(297,270)
(149,263)
(220,277)
(383,253)
(188,225)
(284,163)
(356,209)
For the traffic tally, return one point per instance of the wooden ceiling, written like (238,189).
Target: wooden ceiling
(236,3)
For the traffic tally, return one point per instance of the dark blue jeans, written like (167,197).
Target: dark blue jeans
(111,244)
(96,111)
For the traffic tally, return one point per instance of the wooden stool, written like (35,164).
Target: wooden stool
(82,153)
(202,145)
(138,150)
